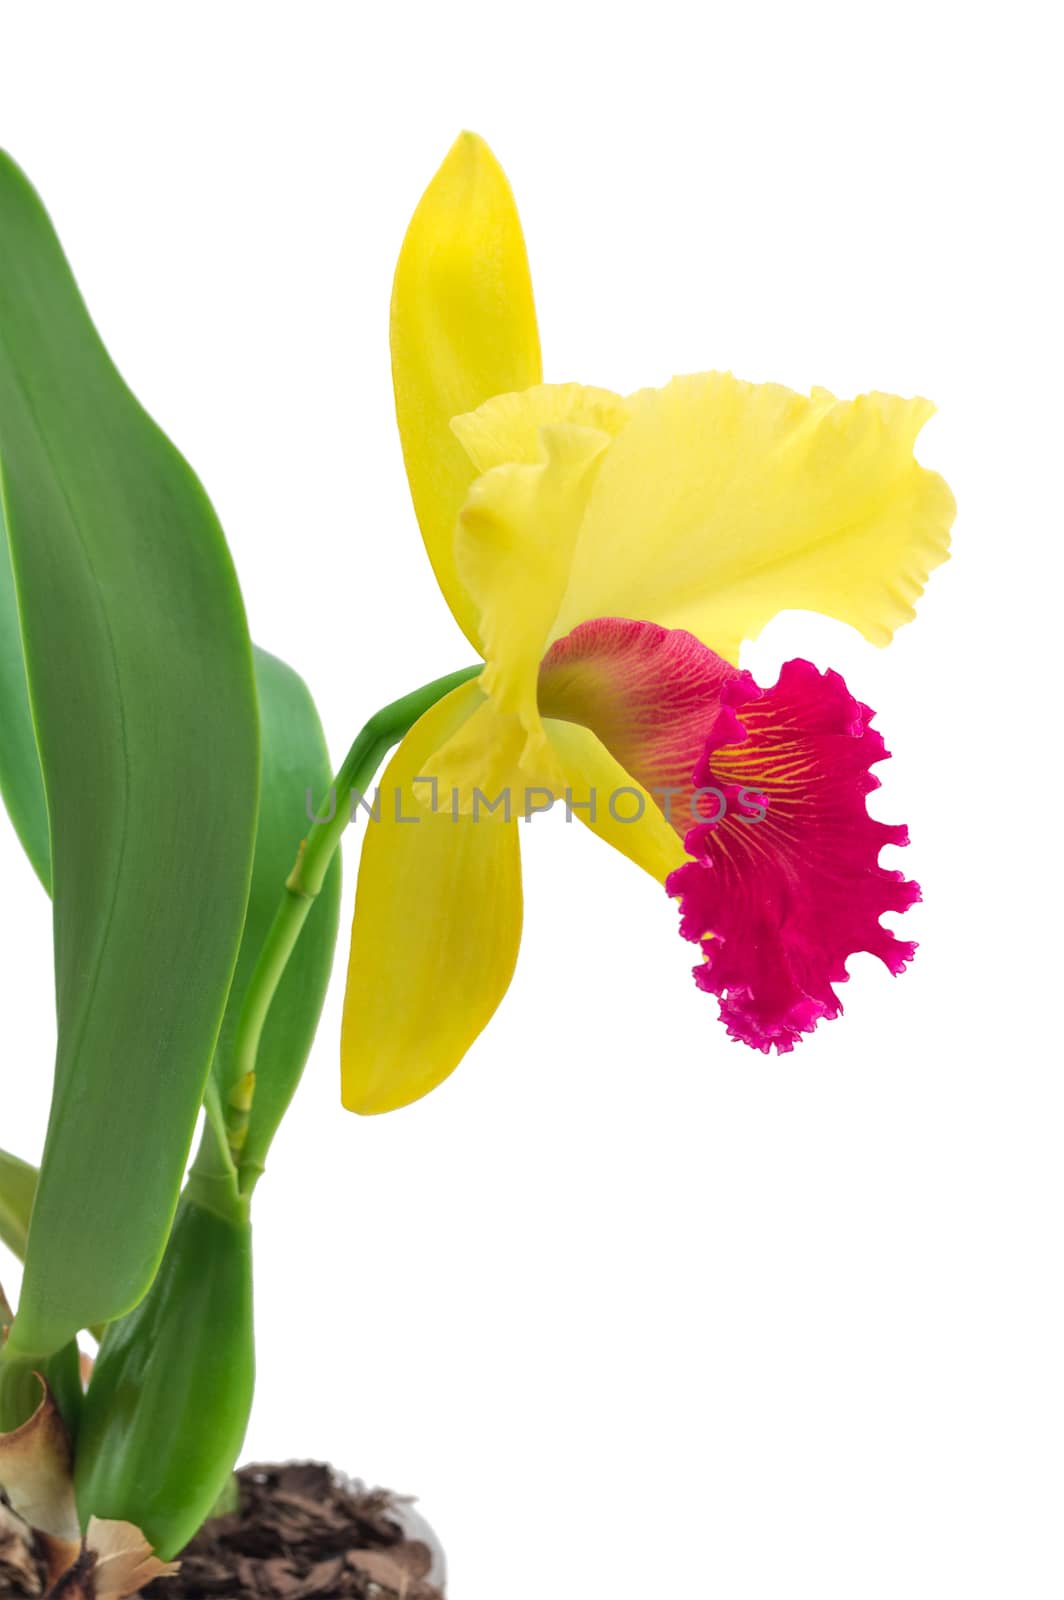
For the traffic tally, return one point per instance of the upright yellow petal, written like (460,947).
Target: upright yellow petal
(723,502)
(514,548)
(537,453)
(463,329)
(436,930)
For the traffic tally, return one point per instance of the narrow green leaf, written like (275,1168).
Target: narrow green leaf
(20,769)
(18,1185)
(140,682)
(295,775)
(295,759)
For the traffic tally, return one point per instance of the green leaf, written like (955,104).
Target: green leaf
(295,765)
(21,783)
(61,1371)
(18,1185)
(167,1406)
(140,682)
(295,759)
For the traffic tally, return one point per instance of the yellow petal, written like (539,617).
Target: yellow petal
(492,758)
(514,546)
(436,930)
(723,502)
(463,329)
(608,800)
(507,428)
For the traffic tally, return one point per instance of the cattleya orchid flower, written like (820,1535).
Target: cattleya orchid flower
(607,556)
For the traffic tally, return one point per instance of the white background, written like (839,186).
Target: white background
(635,1311)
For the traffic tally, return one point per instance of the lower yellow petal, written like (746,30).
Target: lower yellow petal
(463,328)
(722,503)
(436,930)
(613,804)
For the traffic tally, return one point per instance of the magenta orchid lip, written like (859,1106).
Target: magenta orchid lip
(777,919)
(779,908)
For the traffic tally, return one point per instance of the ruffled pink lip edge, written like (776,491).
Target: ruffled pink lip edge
(743,1010)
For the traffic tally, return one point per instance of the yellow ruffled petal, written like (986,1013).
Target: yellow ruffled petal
(723,502)
(609,801)
(507,428)
(514,548)
(463,329)
(436,931)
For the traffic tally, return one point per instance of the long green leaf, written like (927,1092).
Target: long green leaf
(140,683)
(295,759)
(61,1371)
(18,1185)
(295,764)
(21,784)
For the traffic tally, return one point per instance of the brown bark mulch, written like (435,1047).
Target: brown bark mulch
(302,1533)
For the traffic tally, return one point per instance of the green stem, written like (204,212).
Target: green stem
(213,1179)
(383,730)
